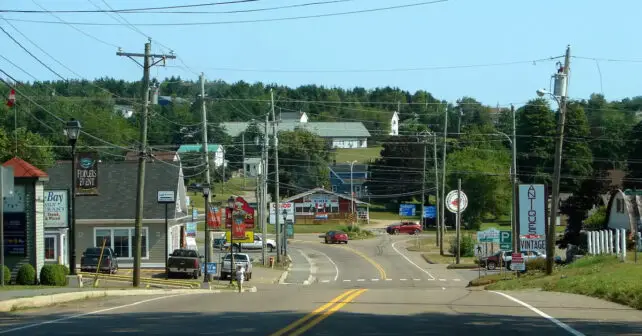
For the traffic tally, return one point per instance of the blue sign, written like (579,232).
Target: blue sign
(430,211)
(290,230)
(194,214)
(407,210)
(190,229)
(211,268)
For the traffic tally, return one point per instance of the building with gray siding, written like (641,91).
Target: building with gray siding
(109,217)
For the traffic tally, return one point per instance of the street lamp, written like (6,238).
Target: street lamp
(206,194)
(72,131)
(285,232)
(352,189)
(231,204)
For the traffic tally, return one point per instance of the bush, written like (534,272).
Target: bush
(537,264)
(467,246)
(54,275)
(7,274)
(355,232)
(26,275)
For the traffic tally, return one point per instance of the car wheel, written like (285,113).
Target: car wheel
(491,265)
(396,231)
(270,248)
(327,241)
(195,275)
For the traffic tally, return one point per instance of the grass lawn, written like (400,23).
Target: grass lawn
(603,277)
(431,251)
(362,155)
(223,191)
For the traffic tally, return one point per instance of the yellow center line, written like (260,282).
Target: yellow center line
(312,314)
(326,314)
(382,272)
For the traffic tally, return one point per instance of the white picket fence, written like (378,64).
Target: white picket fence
(611,241)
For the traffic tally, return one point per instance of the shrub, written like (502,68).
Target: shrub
(537,264)
(467,246)
(7,274)
(54,275)
(355,232)
(26,275)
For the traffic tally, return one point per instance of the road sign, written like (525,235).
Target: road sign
(532,209)
(194,214)
(488,236)
(505,240)
(289,210)
(407,210)
(532,243)
(290,230)
(452,201)
(166,197)
(211,268)
(481,250)
(517,262)
(430,211)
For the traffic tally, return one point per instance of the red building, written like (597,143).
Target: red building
(318,205)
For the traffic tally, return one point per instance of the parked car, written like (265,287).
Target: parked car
(257,244)
(90,258)
(332,237)
(408,227)
(240,259)
(491,262)
(183,261)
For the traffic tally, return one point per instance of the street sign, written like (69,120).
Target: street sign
(481,250)
(430,211)
(166,197)
(532,209)
(452,201)
(532,243)
(194,214)
(211,268)
(290,230)
(517,262)
(289,210)
(488,236)
(505,240)
(407,210)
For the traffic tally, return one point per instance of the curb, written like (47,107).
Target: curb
(284,275)
(49,300)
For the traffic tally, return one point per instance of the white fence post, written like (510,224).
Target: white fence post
(596,241)
(623,244)
(589,242)
(610,241)
(605,241)
(602,241)
(617,242)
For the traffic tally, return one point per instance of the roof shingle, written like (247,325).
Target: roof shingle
(23,169)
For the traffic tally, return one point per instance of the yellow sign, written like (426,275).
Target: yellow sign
(249,237)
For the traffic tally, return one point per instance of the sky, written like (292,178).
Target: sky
(497,51)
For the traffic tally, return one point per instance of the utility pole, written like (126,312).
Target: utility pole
(261,201)
(206,157)
(458,222)
(437,226)
(515,193)
(443,184)
(277,196)
(550,236)
(148,62)
(265,177)
(459,113)
(423,188)
(244,170)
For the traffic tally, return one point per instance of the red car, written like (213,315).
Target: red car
(404,227)
(332,237)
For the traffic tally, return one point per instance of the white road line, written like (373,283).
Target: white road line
(403,279)
(430,279)
(407,259)
(325,281)
(347,280)
(374,279)
(388,279)
(29,326)
(442,279)
(456,279)
(336,269)
(361,280)
(416,279)
(313,268)
(542,314)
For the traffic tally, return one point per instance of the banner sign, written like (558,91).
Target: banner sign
(86,174)
(56,208)
(214,218)
(289,212)
(238,229)
(240,205)
(190,229)
(407,210)
(532,209)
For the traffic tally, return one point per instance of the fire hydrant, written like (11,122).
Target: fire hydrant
(271,262)
(240,276)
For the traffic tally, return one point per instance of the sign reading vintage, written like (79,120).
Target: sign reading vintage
(86,174)
(56,208)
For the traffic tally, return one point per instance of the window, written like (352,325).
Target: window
(619,205)
(51,250)
(334,188)
(121,240)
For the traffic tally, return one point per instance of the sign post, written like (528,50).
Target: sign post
(167,198)
(457,202)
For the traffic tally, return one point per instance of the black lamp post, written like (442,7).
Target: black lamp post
(206,194)
(72,131)
(230,204)
(285,232)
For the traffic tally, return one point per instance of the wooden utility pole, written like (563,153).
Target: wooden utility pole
(443,184)
(206,157)
(557,167)
(148,62)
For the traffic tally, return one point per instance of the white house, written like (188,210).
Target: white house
(394,124)
(299,116)
(623,210)
(216,152)
(252,167)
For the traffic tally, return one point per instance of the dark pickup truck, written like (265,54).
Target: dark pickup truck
(183,261)
(90,258)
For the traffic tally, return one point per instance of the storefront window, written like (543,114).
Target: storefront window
(50,248)
(121,240)
(103,235)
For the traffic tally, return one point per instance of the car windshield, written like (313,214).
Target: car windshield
(93,251)
(237,257)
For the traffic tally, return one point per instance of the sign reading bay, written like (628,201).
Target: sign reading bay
(166,197)
(452,201)
(532,210)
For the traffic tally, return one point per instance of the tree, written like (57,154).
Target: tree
(32,148)
(577,158)
(535,143)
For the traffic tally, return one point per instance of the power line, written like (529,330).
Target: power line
(32,55)
(290,18)
(111,10)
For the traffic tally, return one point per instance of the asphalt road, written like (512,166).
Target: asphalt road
(333,311)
